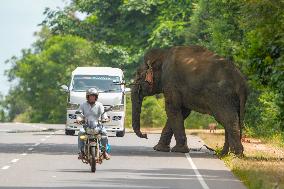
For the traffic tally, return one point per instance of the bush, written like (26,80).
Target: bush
(153,112)
(199,121)
(262,115)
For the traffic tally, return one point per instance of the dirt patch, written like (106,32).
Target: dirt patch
(262,166)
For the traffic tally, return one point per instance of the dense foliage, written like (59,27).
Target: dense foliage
(117,33)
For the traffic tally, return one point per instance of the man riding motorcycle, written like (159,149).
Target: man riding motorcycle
(93,110)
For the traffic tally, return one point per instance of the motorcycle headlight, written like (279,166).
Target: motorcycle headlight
(73,106)
(83,137)
(118,108)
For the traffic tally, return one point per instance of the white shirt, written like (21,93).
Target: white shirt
(93,113)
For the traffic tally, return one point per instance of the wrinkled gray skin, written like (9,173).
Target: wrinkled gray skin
(192,78)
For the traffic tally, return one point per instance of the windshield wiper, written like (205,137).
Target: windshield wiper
(110,90)
(78,90)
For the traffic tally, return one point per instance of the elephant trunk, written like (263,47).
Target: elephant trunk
(136,110)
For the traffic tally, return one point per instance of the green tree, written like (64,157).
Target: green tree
(263,48)
(124,30)
(40,74)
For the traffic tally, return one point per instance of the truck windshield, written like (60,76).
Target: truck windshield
(103,83)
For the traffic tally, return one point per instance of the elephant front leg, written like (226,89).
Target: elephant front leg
(165,139)
(177,124)
(167,134)
(181,143)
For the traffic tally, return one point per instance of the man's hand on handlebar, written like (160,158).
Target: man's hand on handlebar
(80,122)
(105,120)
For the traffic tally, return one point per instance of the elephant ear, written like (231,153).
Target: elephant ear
(149,74)
(153,63)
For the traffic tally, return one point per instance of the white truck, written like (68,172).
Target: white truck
(110,84)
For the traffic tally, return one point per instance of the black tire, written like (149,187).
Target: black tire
(120,133)
(93,161)
(69,132)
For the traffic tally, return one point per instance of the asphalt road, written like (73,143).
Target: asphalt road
(33,158)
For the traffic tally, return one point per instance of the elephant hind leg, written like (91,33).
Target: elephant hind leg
(226,146)
(230,120)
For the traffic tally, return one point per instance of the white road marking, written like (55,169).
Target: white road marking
(198,175)
(1,130)
(14,160)
(36,144)
(30,149)
(197,152)
(5,167)
(54,176)
(43,139)
(47,136)
(35,126)
(24,154)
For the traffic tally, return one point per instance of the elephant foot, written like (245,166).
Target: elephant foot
(224,151)
(162,147)
(238,152)
(180,148)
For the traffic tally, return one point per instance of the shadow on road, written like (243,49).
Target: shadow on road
(162,178)
(147,178)
(71,149)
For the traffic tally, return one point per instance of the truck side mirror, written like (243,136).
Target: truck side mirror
(64,88)
(127,90)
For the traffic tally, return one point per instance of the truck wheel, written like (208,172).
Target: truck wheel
(120,133)
(69,132)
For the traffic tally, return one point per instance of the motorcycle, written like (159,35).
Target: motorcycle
(93,148)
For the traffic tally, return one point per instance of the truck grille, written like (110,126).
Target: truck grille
(72,116)
(116,118)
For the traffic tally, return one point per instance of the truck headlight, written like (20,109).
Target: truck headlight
(73,106)
(118,108)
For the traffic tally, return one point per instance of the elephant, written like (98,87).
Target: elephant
(192,78)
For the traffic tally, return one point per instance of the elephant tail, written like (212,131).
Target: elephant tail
(242,99)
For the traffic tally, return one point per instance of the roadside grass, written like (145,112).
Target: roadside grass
(263,164)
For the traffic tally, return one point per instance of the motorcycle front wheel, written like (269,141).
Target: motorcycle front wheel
(93,159)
